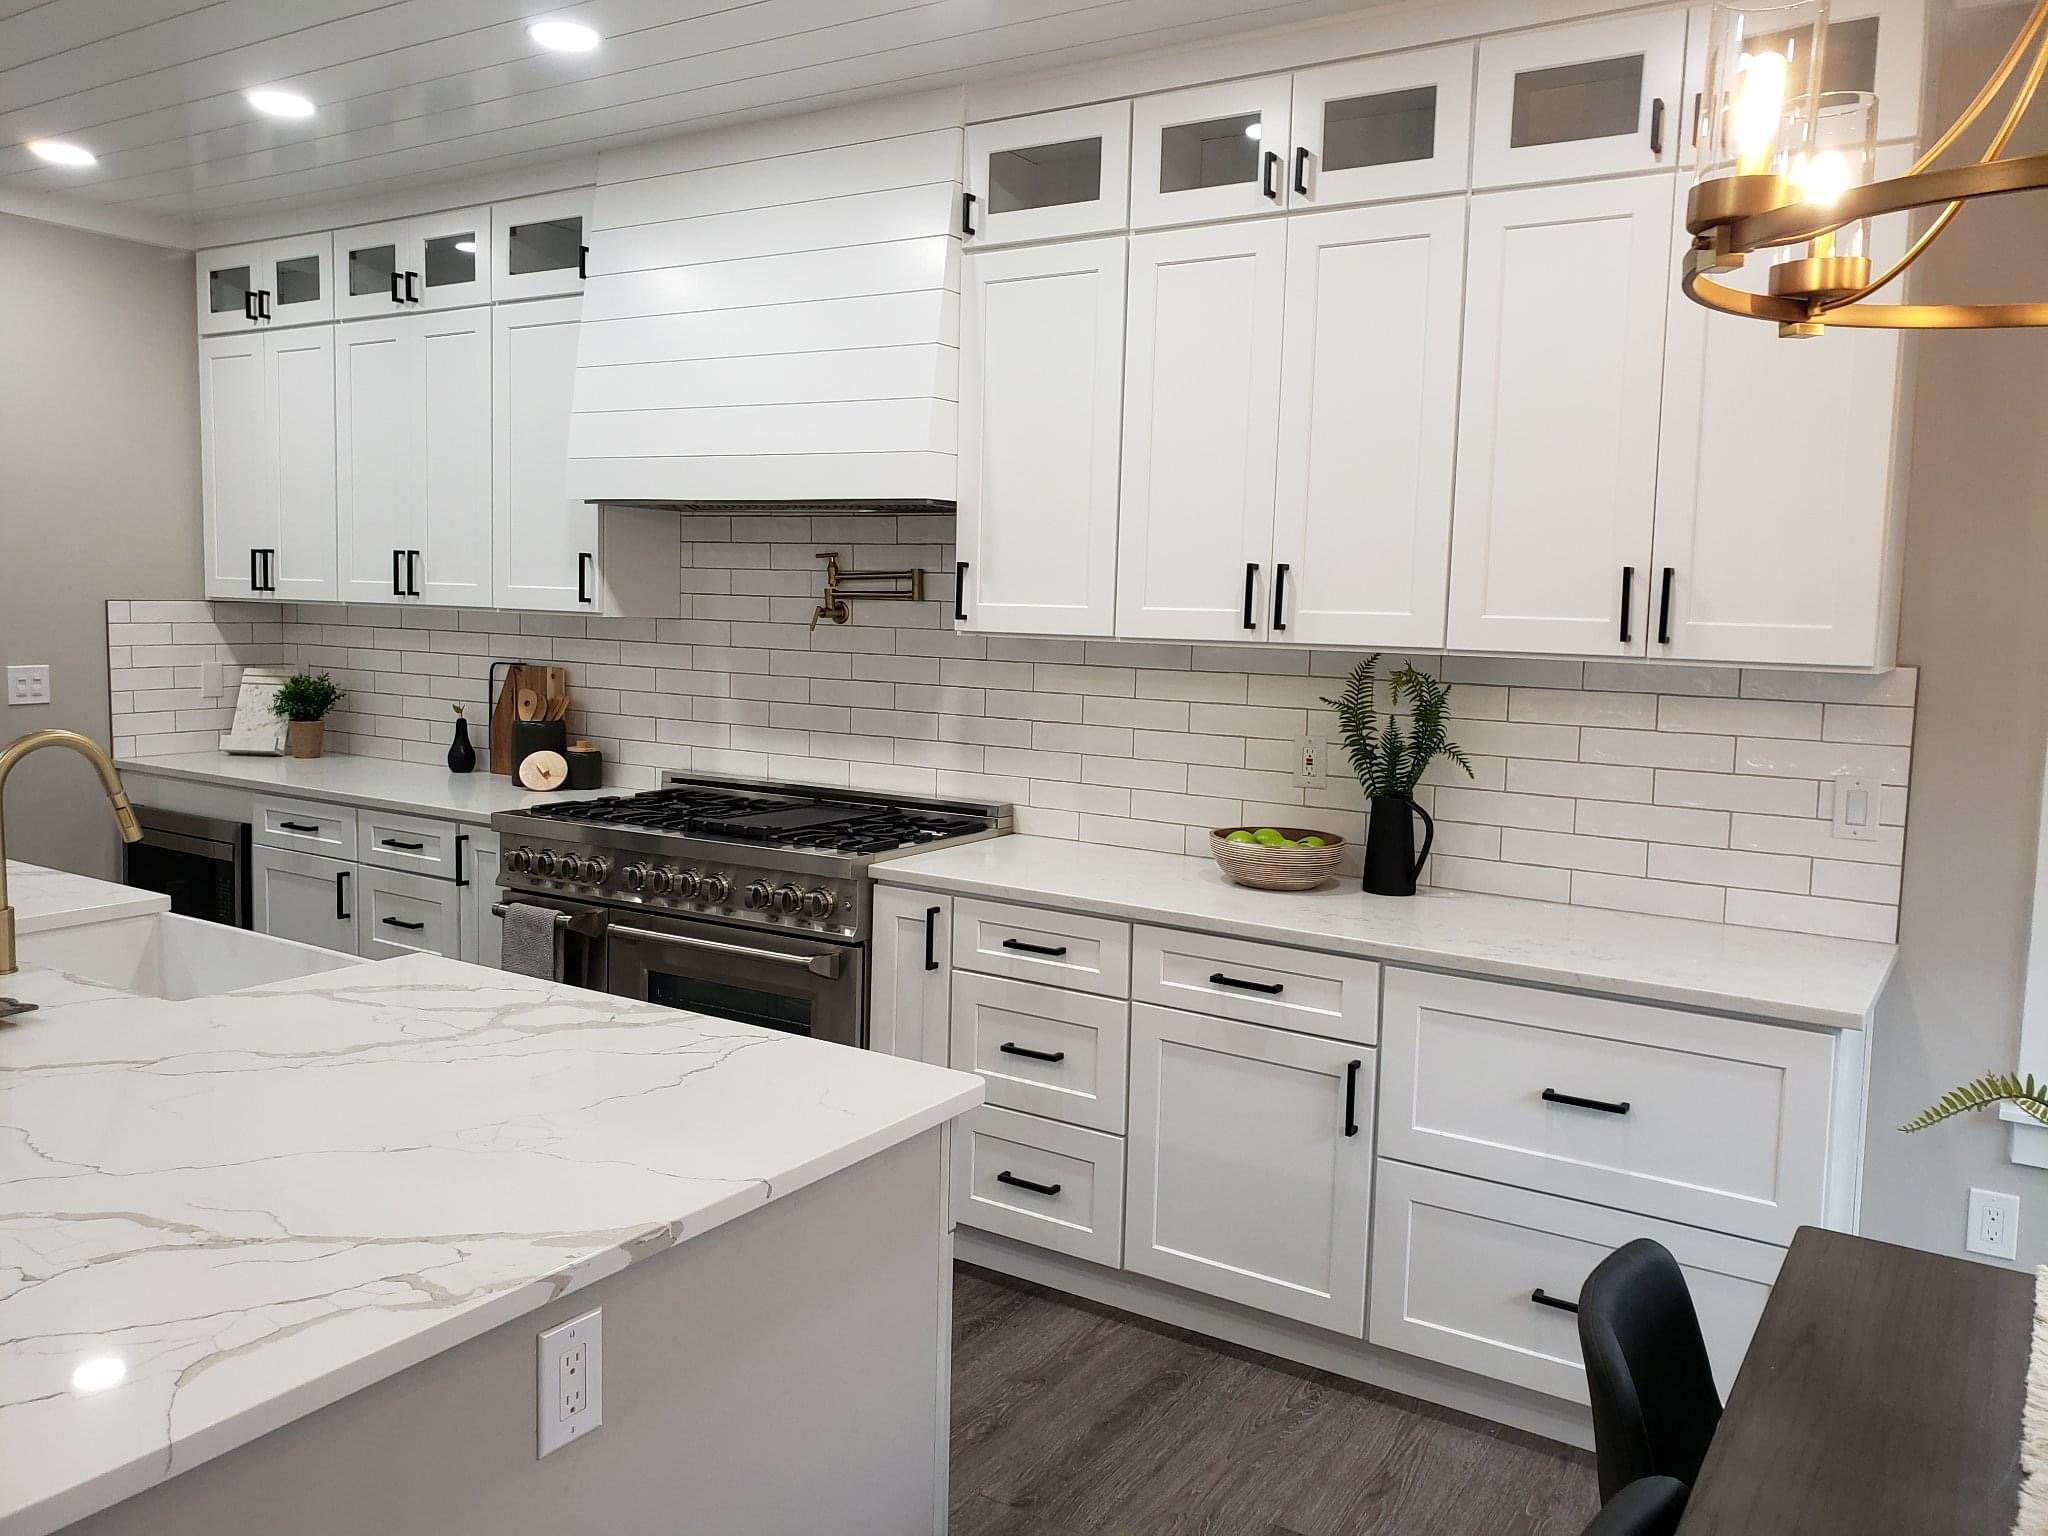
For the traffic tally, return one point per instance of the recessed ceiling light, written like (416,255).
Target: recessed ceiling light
(57,152)
(279,103)
(564,36)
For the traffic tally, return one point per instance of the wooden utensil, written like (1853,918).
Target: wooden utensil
(529,704)
(556,698)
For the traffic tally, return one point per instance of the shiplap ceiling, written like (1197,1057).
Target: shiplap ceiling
(419,91)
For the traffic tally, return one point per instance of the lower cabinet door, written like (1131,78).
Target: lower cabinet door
(1251,1165)
(482,930)
(1459,1266)
(910,974)
(405,914)
(305,897)
(1041,1182)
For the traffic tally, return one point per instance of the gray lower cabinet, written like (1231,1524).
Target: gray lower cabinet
(482,929)
(306,897)
(407,914)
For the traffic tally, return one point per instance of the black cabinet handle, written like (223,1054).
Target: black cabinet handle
(392,842)
(255,570)
(1301,170)
(1664,609)
(1052,950)
(412,573)
(1657,127)
(1007,1177)
(262,303)
(931,931)
(960,592)
(967,202)
(1267,166)
(1011,1048)
(1552,1096)
(1269,988)
(1628,588)
(341,912)
(249,304)
(583,263)
(584,569)
(412,287)
(1696,100)
(1351,1097)
(270,570)
(399,922)
(461,842)
(1543,1299)
(398,573)
(1251,582)
(398,288)
(1279,599)
(295,826)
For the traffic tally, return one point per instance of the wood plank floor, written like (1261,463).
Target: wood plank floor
(1071,1419)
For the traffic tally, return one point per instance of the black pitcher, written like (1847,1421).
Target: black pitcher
(1391,862)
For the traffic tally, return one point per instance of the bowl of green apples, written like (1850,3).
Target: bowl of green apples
(1276,858)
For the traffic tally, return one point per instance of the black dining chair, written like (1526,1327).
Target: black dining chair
(1650,1506)
(1655,1406)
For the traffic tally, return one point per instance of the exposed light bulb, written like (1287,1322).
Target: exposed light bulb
(58,152)
(564,36)
(1824,178)
(1759,108)
(275,103)
(99,1373)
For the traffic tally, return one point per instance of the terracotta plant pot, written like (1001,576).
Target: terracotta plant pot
(305,738)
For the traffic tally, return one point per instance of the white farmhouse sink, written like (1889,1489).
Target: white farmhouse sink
(161,954)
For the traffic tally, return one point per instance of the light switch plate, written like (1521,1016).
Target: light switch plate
(28,685)
(1856,807)
(570,1380)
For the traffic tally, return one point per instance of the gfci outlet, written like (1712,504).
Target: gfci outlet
(1308,761)
(1994,1224)
(571,1380)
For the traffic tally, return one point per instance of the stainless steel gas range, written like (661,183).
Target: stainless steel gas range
(727,897)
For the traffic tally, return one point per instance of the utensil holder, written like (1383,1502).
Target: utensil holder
(531,736)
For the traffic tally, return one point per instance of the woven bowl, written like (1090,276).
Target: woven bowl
(1277,869)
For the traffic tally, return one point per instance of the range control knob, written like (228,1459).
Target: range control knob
(714,889)
(818,903)
(596,870)
(572,867)
(546,863)
(664,882)
(788,898)
(634,877)
(687,883)
(519,860)
(760,895)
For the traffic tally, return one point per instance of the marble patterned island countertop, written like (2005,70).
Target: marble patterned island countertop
(1754,972)
(52,898)
(219,1215)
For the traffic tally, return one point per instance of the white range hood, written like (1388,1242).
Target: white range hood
(772,314)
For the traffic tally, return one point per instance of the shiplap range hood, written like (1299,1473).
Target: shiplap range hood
(772,316)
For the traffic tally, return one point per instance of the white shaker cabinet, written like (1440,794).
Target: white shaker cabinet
(305,897)
(539,245)
(1376,129)
(434,261)
(287,281)
(1591,98)
(1368,425)
(1202,379)
(266,405)
(1048,177)
(1211,152)
(910,983)
(1250,1166)
(477,860)
(1041,397)
(1559,412)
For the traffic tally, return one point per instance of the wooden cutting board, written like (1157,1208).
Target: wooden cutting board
(505,710)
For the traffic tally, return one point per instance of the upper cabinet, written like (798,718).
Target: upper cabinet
(540,245)
(271,282)
(1049,176)
(435,261)
(266,434)
(1378,129)
(1214,152)
(1591,99)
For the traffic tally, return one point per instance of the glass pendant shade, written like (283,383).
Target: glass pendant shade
(1761,95)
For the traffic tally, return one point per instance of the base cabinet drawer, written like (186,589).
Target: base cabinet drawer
(411,843)
(401,914)
(1715,1122)
(1065,949)
(311,826)
(1041,1182)
(1044,1050)
(1458,1264)
(1333,995)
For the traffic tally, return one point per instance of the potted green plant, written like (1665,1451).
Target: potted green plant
(1390,763)
(1981,1093)
(303,700)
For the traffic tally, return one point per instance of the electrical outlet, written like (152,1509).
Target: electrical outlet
(1856,807)
(570,1400)
(28,685)
(1994,1224)
(1308,761)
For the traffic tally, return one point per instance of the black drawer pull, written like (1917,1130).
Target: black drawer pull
(1054,951)
(1657,127)
(1270,988)
(1269,185)
(967,202)
(1544,1299)
(1628,599)
(399,922)
(1301,170)
(931,928)
(1606,1107)
(1351,1097)
(341,912)
(392,842)
(296,826)
(1007,1177)
(1011,1048)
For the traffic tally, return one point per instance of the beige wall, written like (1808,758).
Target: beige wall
(1975,622)
(99,492)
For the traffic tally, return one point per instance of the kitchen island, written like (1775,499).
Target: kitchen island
(276,1259)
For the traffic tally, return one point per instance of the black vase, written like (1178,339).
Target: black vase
(461,755)
(1391,862)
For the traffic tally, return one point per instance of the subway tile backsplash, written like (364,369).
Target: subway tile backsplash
(1700,792)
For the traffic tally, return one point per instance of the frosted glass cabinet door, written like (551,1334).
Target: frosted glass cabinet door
(1558,417)
(1377,129)
(1590,99)
(298,280)
(1368,425)
(1213,152)
(1041,401)
(453,259)
(540,245)
(370,266)
(1201,423)
(229,279)
(1049,176)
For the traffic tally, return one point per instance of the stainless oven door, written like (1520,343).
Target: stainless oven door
(792,982)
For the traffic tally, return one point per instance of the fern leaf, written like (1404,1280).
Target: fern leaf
(1981,1093)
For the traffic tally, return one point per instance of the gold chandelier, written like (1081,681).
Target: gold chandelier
(1787,168)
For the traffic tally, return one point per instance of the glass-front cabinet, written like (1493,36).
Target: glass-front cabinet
(541,245)
(1048,176)
(1214,152)
(1379,129)
(266,283)
(1591,99)
(438,261)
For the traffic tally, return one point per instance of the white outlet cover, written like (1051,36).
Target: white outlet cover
(28,685)
(559,1349)
(1994,1224)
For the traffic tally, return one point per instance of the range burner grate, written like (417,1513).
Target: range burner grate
(809,823)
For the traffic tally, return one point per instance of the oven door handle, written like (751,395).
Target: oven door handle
(818,965)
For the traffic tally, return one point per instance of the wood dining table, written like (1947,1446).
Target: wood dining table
(1880,1397)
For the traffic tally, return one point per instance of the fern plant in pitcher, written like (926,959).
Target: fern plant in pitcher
(1981,1093)
(1390,761)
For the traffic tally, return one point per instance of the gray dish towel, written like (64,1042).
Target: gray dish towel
(533,941)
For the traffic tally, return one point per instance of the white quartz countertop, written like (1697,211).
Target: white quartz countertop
(419,789)
(217,1216)
(1758,973)
(51,898)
